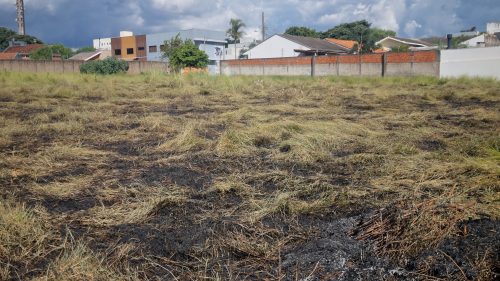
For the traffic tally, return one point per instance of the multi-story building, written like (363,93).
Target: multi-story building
(209,41)
(102,44)
(129,47)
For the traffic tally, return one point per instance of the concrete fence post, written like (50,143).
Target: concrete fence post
(438,62)
(412,60)
(359,63)
(384,64)
(313,66)
(337,64)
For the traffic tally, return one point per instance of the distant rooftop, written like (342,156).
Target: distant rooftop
(85,56)
(315,43)
(194,34)
(8,56)
(344,43)
(23,49)
(415,42)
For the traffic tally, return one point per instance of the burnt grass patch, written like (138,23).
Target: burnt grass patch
(355,191)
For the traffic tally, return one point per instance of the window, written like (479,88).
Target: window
(130,51)
(162,48)
(140,48)
(153,49)
(118,52)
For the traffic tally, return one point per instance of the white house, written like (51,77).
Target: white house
(284,45)
(478,41)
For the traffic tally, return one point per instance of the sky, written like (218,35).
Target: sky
(75,23)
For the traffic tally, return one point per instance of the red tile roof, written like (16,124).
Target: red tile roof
(23,49)
(349,44)
(8,56)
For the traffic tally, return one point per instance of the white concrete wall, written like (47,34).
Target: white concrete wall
(102,44)
(477,62)
(275,47)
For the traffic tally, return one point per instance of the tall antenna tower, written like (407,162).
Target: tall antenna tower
(20,17)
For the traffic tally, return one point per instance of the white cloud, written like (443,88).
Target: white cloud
(407,17)
(411,27)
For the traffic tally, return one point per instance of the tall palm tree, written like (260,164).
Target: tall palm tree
(235,32)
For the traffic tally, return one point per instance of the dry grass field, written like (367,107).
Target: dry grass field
(156,177)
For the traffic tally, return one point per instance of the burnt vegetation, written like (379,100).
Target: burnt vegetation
(155,177)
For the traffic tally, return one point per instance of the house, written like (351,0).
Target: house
(483,40)
(489,39)
(284,45)
(389,43)
(8,56)
(90,56)
(350,44)
(22,51)
(478,41)
(212,42)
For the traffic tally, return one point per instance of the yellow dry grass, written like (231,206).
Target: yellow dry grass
(178,175)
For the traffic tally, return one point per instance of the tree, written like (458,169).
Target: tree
(359,31)
(7,35)
(303,31)
(169,46)
(234,32)
(46,53)
(377,34)
(85,49)
(182,54)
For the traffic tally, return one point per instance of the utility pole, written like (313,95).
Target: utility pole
(20,17)
(263,28)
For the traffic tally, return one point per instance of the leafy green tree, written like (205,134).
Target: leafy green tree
(303,31)
(182,54)
(377,34)
(400,49)
(169,46)
(7,35)
(359,31)
(235,33)
(46,53)
(85,49)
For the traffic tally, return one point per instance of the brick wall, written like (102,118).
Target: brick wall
(411,63)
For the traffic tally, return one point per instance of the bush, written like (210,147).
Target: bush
(104,67)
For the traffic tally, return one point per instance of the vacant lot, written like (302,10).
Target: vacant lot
(202,178)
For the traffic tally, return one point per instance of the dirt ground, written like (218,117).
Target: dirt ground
(157,177)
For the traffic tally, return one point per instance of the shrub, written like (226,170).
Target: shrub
(104,67)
